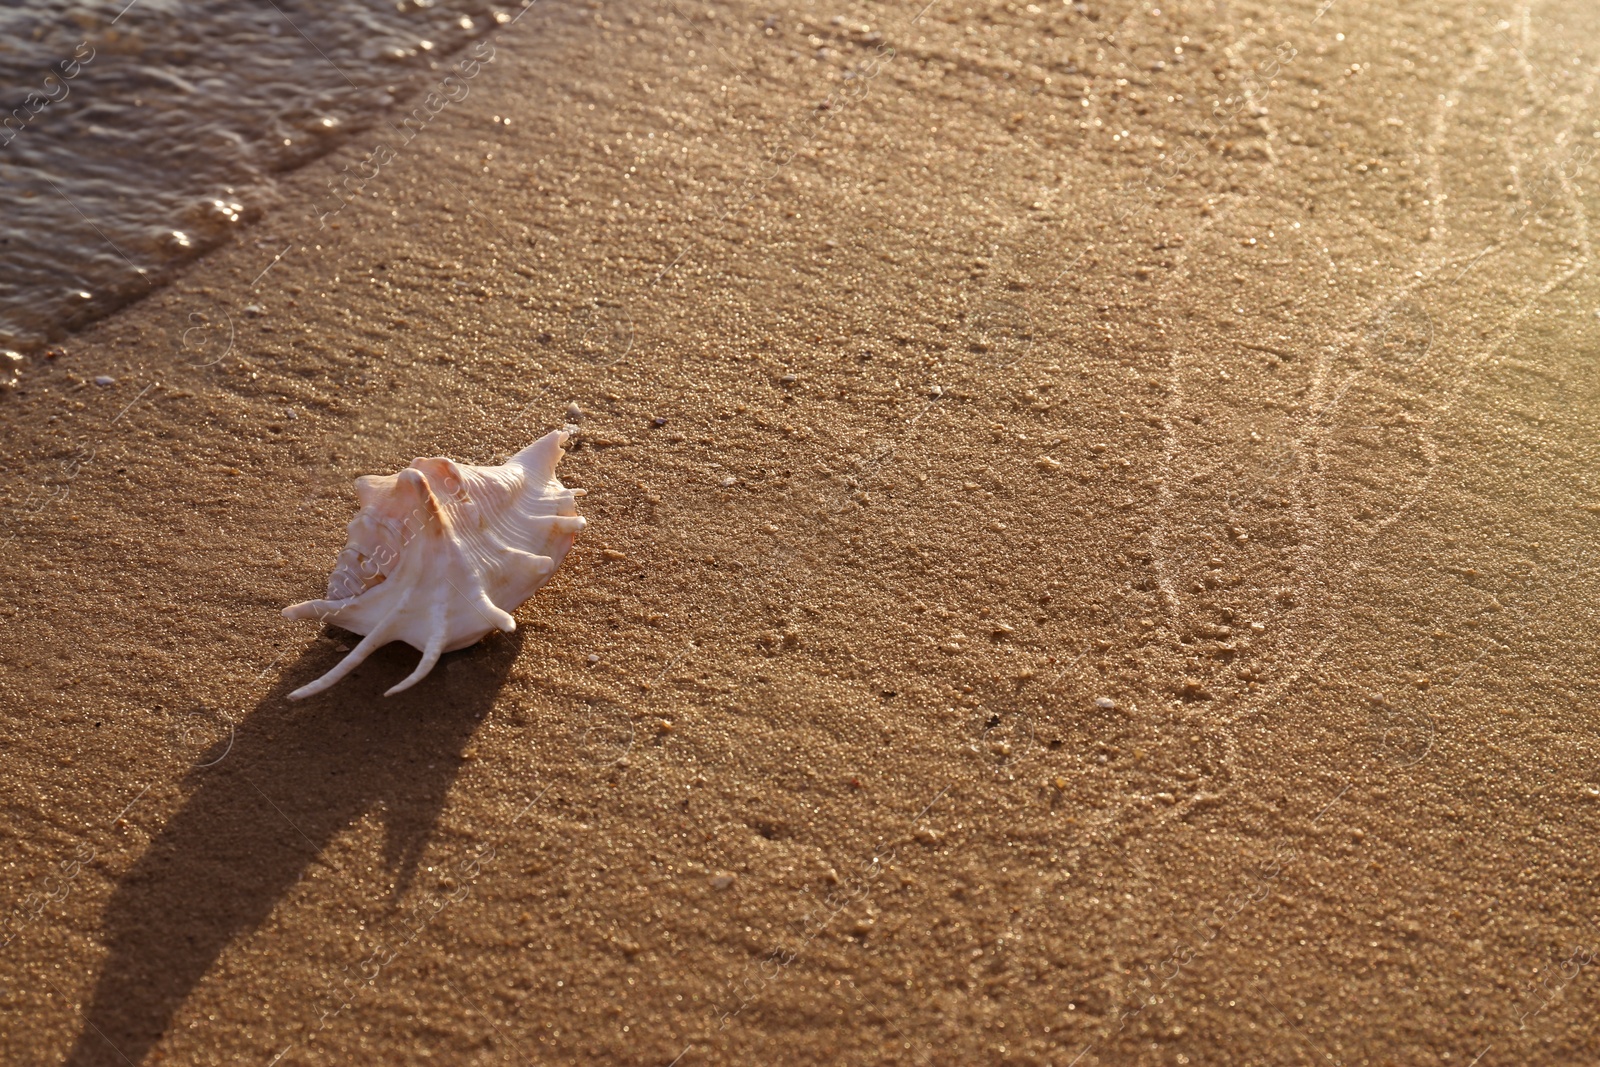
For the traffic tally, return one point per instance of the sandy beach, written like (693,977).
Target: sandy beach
(1090,560)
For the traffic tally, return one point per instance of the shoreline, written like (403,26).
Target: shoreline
(210,197)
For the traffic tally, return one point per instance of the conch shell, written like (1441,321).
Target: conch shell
(441,553)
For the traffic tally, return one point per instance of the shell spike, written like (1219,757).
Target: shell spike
(430,656)
(501,619)
(368,645)
(540,458)
(314,610)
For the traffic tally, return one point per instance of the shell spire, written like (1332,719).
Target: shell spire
(441,553)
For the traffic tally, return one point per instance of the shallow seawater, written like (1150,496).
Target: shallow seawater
(135,137)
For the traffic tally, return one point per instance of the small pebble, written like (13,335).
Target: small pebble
(722,881)
(728,482)
(255,311)
(574,412)
(936,392)
(10,369)
(291,413)
(1104,703)
(105,379)
(788,379)
(593,658)
(658,421)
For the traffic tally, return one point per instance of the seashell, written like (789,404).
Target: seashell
(441,553)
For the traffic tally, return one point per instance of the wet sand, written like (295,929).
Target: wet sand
(1113,582)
